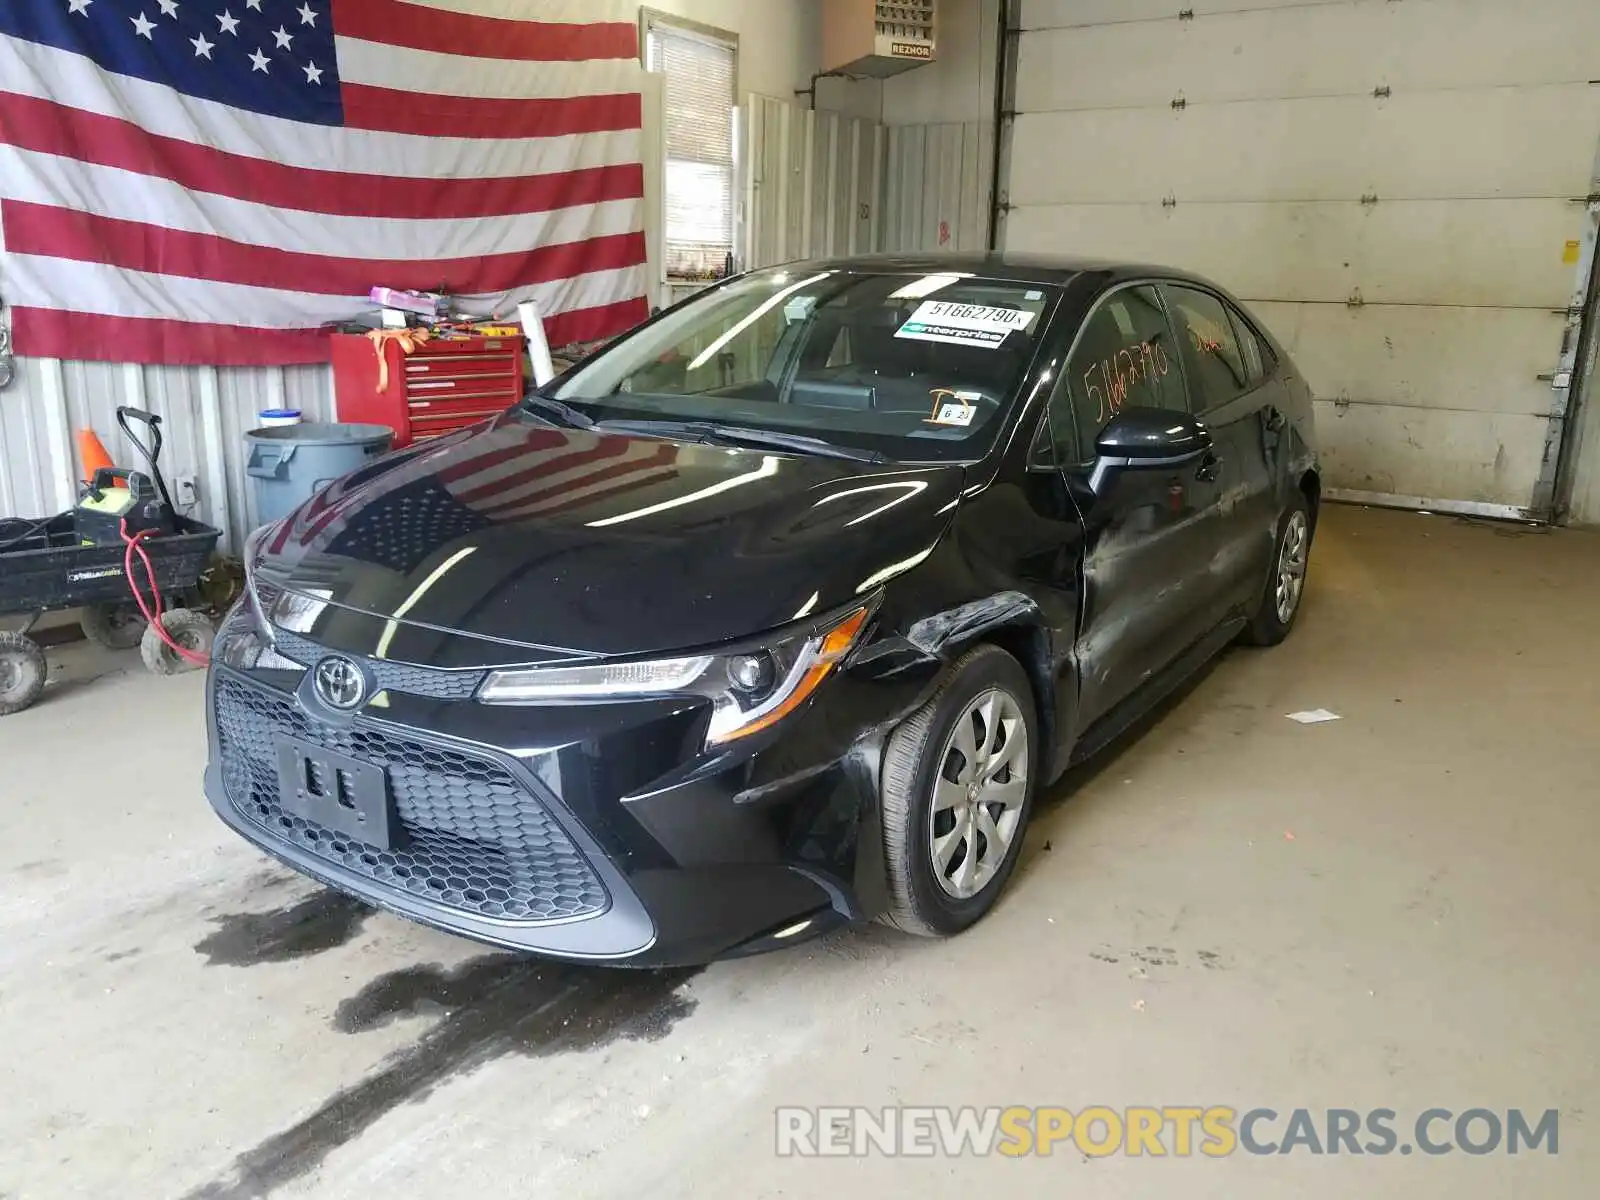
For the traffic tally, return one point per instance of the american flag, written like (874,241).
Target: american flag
(209,181)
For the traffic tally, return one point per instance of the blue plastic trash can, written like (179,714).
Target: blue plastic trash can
(288,464)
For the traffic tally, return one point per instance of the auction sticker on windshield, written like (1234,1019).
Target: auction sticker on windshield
(963,324)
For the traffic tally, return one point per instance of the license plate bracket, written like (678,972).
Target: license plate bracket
(338,793)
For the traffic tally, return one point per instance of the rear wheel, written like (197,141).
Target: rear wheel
(113,626)
(191,630)
(1280,602)
(23,671)
(957,791)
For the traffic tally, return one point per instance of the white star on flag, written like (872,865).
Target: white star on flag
(283,36)
(81,7)
(202,48)
(142,25)
(229,22)
(260,62)
(169,8)
(307,15)
(255,4)
(313,73)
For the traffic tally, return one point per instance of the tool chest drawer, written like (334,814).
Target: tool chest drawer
(439,386)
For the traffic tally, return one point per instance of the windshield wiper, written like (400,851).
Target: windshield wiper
(564,414)
(739,435)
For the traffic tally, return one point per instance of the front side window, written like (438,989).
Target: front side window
(1216,367)
(1124,359)
(911,366)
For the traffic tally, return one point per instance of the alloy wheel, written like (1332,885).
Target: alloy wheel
(979,793)
(1292,566)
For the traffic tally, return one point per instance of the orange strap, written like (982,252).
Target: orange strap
(409,340)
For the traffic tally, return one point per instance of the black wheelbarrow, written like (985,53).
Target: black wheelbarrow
(45,566)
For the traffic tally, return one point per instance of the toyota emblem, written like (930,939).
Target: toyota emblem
(340,683)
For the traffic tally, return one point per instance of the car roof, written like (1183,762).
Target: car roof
(1008,265)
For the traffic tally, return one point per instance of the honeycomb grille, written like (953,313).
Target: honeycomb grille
(477,841)
(432,682)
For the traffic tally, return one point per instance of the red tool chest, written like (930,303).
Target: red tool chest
(441,386)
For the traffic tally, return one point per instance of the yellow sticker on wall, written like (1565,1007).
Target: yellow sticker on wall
(1570,254)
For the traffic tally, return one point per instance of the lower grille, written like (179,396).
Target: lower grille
(477,840)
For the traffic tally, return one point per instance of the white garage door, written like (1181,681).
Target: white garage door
(1396,186)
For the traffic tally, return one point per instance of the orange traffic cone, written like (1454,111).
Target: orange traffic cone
(92,454)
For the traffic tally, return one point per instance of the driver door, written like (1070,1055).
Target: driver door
(1150,531)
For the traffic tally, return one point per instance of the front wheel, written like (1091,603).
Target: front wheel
(22,672)
(1286,586)
(958,784)
(191,630)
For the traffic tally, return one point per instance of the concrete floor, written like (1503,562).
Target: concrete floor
(1395,910)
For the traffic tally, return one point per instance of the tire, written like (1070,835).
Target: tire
(1273,617)
(23,671)
(113,626)
(925,749)
(191,630)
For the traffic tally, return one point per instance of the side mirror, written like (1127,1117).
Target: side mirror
(1151,437)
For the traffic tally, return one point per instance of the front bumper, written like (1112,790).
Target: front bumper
(589,832)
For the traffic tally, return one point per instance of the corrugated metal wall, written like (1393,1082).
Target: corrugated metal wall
(820,184)
(812,183)
(936,194)
(204,411)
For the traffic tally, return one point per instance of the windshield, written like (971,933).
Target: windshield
(912,367)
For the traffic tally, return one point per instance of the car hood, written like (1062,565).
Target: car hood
(571,541)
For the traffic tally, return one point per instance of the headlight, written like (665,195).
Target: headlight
(750,690)
(252,558)
(245,639)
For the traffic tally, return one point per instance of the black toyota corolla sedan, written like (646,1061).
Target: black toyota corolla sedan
(776,613)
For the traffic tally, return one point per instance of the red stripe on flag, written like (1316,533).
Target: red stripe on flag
(50,128)
(56,333)
(593,324)
(388,110)
(95,337)
(135,246)
(395,23)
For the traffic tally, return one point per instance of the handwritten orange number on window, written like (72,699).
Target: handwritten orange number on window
(1129,367)
(1097,396)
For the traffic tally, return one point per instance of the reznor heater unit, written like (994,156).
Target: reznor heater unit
(861,37)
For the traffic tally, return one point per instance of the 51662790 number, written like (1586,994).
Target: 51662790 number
(1117,374)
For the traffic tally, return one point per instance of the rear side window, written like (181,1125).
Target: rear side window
(1258,360)
(1124,358)
(1216,365)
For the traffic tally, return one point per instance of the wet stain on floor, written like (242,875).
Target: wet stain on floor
(320,922)
(486,1008)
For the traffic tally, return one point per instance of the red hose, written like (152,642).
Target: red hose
(135,546)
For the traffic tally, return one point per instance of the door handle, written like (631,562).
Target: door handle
(1275,420)
(1210,468)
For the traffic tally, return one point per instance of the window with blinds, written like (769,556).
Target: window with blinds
(699,98)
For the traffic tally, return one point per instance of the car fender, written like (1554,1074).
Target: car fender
(1009,618)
